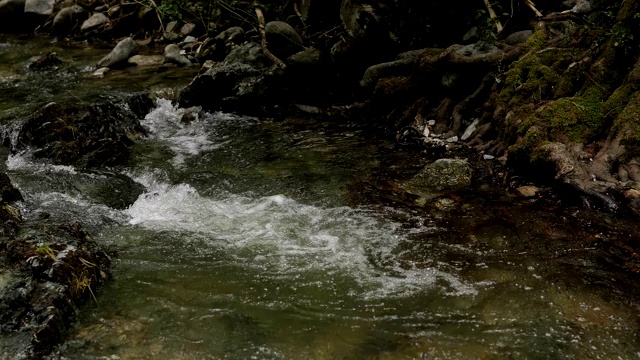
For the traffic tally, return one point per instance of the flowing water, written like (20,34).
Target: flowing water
(246,244)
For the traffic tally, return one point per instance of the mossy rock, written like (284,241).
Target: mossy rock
(627,125)
(441,176)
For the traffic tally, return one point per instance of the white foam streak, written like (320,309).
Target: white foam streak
(287,238)
(23,161)
(165,123)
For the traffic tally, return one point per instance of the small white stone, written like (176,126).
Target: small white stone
(488,157)
(452,139)
(426,132)
(100,72)
(431,122)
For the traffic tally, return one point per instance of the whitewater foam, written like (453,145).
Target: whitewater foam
(278,234)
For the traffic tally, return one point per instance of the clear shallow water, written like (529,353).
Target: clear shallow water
(243,246)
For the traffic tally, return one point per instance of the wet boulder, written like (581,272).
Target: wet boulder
(239,83)
(225,86)
(441,176)
(282,39)
(120,54)
(69,19)
(173,55)
(376,72)
(234,35)
(46,62)
(95,22)
(45,277)
(82,134)
(39,7)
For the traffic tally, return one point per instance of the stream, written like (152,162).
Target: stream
(247,244)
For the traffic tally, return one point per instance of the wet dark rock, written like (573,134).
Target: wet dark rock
(68,19)
(240,82)
(250,54)
(48,61)
(120,53)
(518,37)
(8,192)
(96,21)
(283,40)
(233,35)
(225,86)
(394,68)
(48,273)
(81,134)
(358,18)
(11,15)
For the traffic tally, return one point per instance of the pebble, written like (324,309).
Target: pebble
(527,191)
(100,72)
(488,157)
(452,139)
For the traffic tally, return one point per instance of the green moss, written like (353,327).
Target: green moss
(537,41)
(628,123)
(10,213)
(619,100)
(531,77)
(531,140)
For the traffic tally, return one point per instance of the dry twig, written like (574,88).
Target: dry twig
(265,49)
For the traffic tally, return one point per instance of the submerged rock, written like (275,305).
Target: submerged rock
(48,61)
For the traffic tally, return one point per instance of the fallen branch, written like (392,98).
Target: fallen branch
(265,49)
(531,5)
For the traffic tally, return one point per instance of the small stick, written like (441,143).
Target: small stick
(266,51)
(533,7)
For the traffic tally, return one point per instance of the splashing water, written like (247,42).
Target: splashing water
(285,237)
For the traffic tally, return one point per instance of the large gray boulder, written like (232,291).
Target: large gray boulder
(69,18)
(172,55)
(96,21)
(39,7)
(124,50)
(283,40)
